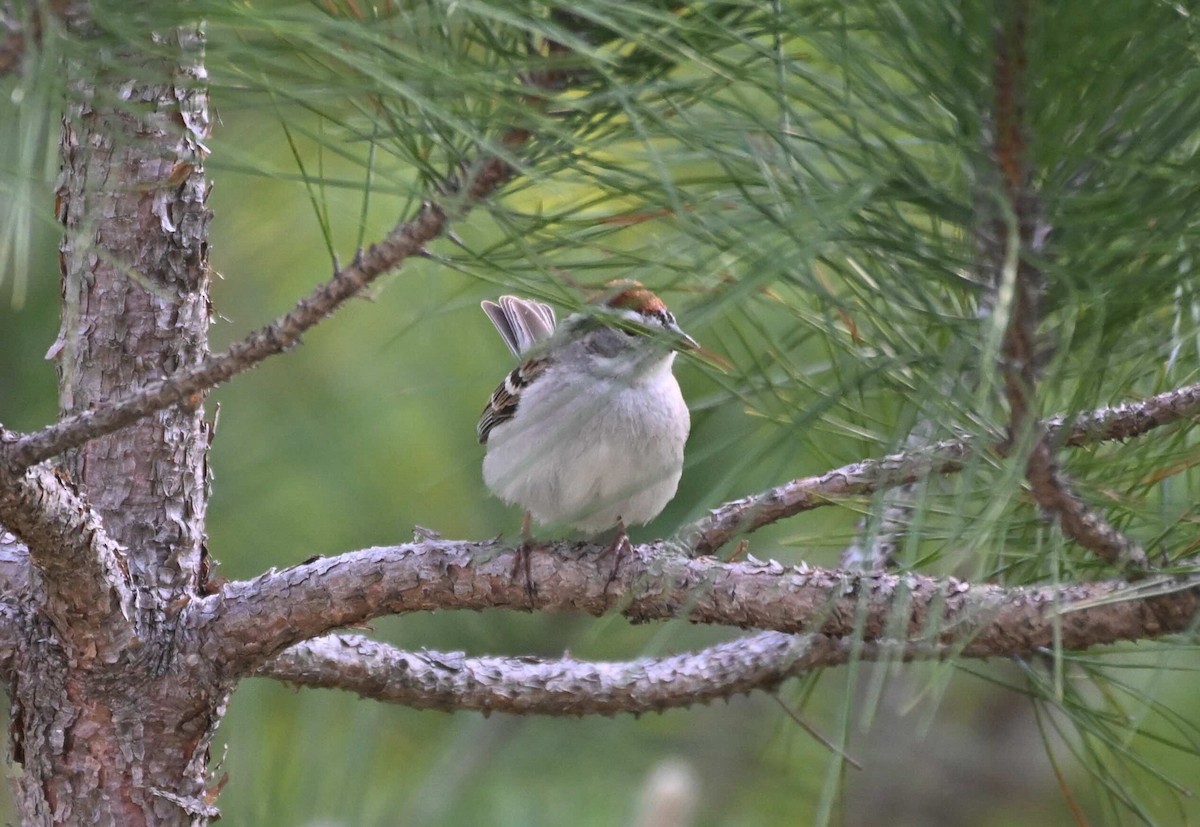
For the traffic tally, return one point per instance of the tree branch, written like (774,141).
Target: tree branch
(89,596)
(751,513)
(1125,421)
(1015,275)
(452,681)
(748,514)
(186,385)
(250,621)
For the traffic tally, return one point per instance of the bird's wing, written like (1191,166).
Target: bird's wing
(502,406)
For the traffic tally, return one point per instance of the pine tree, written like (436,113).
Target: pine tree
(945,249)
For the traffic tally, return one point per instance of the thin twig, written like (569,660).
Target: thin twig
(817,735)
(457,195)
(865,477)
(187,384)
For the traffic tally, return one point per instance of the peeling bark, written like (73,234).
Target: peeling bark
(135,307)
(80,570)
(119,660)
(109,725)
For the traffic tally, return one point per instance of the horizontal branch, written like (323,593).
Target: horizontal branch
(185,385)
(247,622)
(89,598)
(868,476)
(1125,421)
(453,681)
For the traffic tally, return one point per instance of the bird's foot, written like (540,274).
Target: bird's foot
(618,548)
(521,563)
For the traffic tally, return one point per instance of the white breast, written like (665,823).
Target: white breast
(585,451)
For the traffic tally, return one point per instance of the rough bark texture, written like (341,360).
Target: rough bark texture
(119,660)
(113,708)
(250,621)
(83,577)
(135,306)
(563,686)
(108,727)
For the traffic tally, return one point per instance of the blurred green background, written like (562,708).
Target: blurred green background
(803,192)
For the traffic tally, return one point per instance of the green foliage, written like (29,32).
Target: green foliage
(805,182)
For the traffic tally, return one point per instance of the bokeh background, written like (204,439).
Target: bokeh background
(825,252)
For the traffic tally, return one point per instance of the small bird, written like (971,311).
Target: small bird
(588,430)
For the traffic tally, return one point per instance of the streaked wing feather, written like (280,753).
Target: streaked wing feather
(502,406)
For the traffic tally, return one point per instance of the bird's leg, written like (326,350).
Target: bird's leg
(618,548)
(522,560)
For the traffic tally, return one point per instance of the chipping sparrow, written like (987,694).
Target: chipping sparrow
(588,430)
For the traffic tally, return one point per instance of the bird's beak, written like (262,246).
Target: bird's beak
(686,343)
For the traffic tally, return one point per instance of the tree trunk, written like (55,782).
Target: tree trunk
(120,735)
